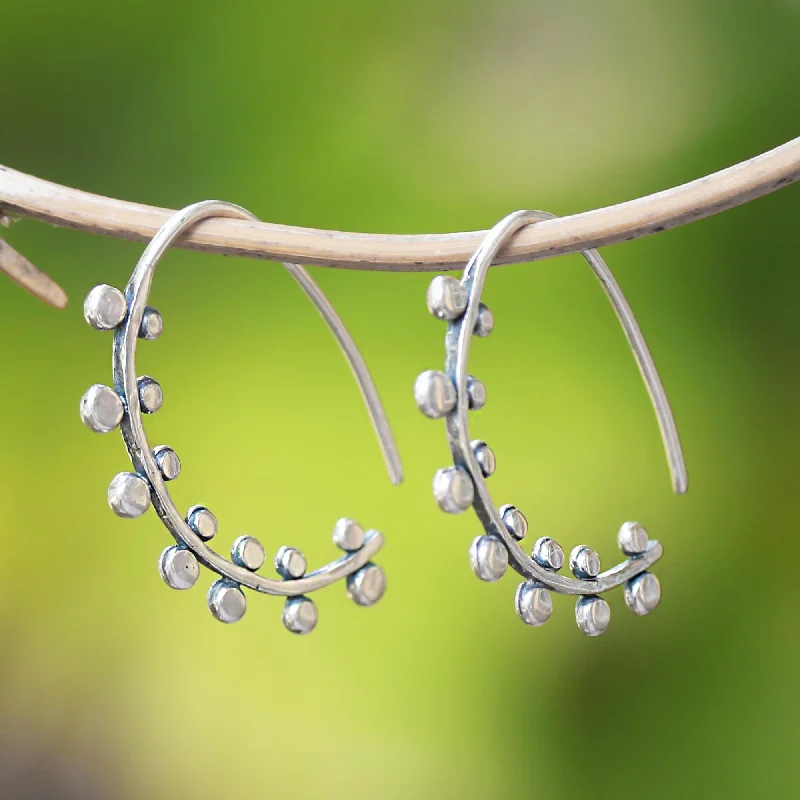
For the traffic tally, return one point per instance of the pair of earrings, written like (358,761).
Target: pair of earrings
(450,394)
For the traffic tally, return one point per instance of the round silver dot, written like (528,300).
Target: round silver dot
(584,562)
(632,539)
(366,586)
(300,615)
(178,567)
(515,521)
(447,298)
(453,489)
(226,601)
(547,553)
(592,615)
(105,307)
(533,603)
(101,408)
(348,535)
(202,522)
(152,325)
(476,392)
(167,462)
(484,324)
(489,558)
(248,552)
(151,397)
(642,593)
(129,495)
(485,457)
(434,393)
(290,563)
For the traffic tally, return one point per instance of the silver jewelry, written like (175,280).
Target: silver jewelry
(451,394)
(131,493)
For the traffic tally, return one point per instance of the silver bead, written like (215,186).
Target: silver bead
(434,393)
(515,521)
(226,601)
(202,522)
(548,553)
(152,325)
(290,563)
(447,298)
(105,307)
(248,552)
(642,593)
(533,603)
(101,408)
(151,397)
(300,615)
(632,539)
(485,457)
(584,562)
(366,586)
(167,462)
(129,495)
(178,567)
(453,489)
(489,558)
(476,393)
(484,324)
(592,615)
(348,535)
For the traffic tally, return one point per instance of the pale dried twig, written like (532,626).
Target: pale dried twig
(32,197)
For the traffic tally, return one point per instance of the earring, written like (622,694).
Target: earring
(131,493)
(454,392)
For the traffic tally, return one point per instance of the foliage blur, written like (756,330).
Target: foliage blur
(429,115)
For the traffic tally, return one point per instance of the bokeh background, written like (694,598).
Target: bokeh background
(420,116)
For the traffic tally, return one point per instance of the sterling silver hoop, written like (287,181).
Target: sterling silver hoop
(454,392)
(131,493)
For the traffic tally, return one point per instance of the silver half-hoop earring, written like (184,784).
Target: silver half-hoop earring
(130,493)
(453,393)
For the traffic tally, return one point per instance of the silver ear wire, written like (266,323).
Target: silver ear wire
(130,494)
(454,392)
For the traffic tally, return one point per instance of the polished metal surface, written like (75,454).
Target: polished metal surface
(515,521)
(548,553)
(101,408)
(643,593)
(632,539)
(248,552)
(152,325)
(453,489)
(366,586)
(584,562)
(130,494)
(300,615)
(434,393)
(592,614)
(151,396)
(533,603)
(167,461)
(456,488)
(178,567)
(488,557)
(446,298)
(485,457)
(348,535)
(104,307)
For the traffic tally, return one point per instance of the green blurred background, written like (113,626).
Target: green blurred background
(416,117)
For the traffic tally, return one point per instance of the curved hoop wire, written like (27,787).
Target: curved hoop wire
(182,220)
(474,279)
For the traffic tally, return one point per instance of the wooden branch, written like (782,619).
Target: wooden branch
(21,271)
(32,197)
